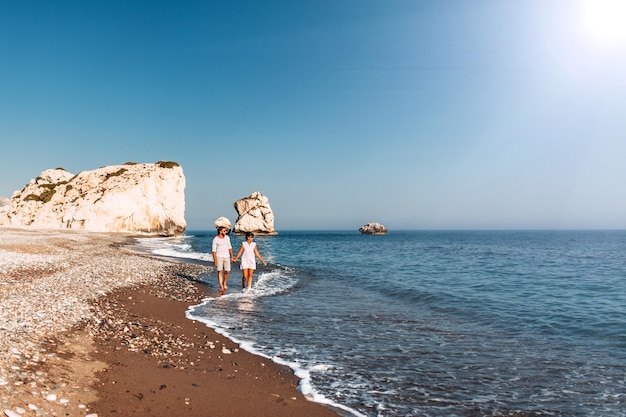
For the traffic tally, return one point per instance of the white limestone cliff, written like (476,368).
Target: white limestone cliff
(255,215)
(137,198)
(4,205)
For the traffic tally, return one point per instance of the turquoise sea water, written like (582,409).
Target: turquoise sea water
(428,323)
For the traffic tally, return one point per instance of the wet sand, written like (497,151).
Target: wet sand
(90,328)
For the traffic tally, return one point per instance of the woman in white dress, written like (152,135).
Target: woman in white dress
(248,260)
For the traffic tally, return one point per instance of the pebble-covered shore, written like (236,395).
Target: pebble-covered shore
(49,282)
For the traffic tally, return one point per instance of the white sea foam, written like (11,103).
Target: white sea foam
(306,388)
(268,284)
(322,368)
(176,253)
(177,247)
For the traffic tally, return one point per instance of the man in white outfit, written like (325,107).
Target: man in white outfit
(222,256)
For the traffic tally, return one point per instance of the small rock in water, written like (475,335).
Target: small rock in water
(226,351)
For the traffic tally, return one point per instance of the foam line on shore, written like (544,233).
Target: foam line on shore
(304,375)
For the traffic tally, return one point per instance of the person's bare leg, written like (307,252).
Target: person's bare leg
(220,280)
(226,273)
(250,272)
(244,279)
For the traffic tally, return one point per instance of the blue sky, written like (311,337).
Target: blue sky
(441,114)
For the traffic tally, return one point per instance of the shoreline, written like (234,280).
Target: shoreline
(112,337)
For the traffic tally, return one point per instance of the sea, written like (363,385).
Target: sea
(432,323)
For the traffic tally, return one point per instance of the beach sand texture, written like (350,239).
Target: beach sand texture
(89,328)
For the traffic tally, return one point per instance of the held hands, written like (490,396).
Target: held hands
(233,259)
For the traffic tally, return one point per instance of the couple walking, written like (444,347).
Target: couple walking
(223,255)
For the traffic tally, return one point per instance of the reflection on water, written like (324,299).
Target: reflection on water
(245,303)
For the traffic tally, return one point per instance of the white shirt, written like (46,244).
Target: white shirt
(221,246)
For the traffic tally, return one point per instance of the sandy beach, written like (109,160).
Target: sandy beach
(89,328)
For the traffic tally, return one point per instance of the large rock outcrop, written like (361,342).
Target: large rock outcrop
(222,222)
(137,198)
(373,229)
(255,215)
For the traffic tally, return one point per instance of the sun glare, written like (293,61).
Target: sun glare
(605,20)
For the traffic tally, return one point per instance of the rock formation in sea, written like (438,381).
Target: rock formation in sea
(373,229)
(137,198)
(255,215)
(222,222)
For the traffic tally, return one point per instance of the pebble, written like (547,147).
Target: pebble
(49,282)
(11,413)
